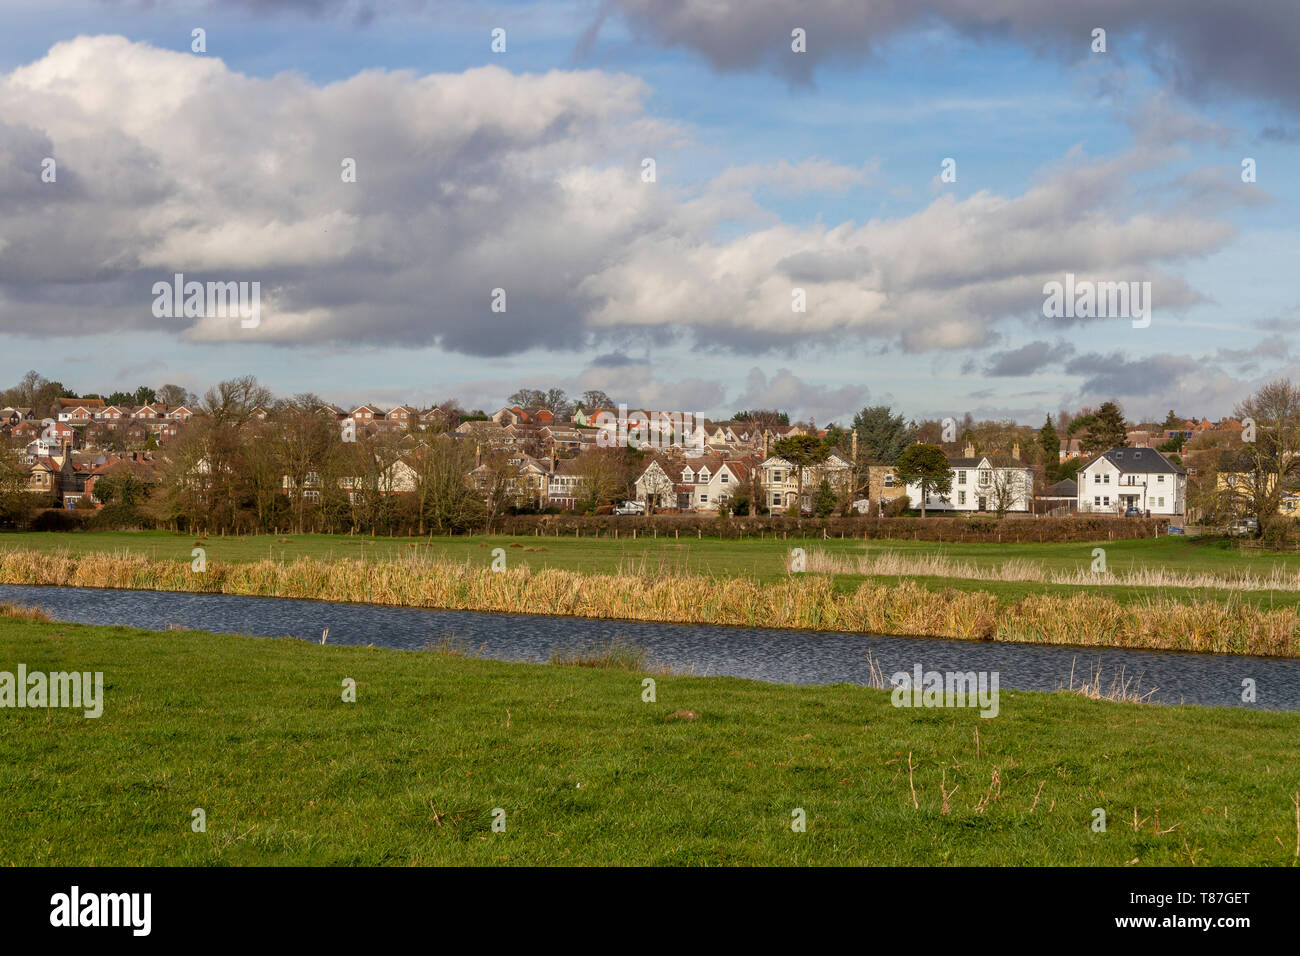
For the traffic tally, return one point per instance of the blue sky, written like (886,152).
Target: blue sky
(1067,160)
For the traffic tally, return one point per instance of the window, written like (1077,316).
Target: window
(1106,500)
(1160,478)
(961,497)
(1097,501)
(961,477)
(703,498)
(723,478)
(986,477)
(776,475)
(776,500)
(1160,502)
(889,481)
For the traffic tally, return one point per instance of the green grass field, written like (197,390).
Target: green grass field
(764,560)
(255,732)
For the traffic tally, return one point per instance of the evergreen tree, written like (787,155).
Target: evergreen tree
(1107,430)
(1050,442)
(882,435)
(924,465)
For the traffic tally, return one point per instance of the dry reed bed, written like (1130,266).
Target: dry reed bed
(798,601)
(1018,569)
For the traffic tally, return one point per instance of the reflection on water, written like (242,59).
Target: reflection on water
(796,657)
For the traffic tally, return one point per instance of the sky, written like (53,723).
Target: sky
(914,177)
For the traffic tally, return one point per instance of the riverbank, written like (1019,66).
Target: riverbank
(255,733)
(799,601)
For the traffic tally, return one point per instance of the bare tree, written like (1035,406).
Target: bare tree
(1274,455)
(601,477)
(448,501)
(1008,490)
(234,401)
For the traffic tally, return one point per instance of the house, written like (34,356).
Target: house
(49,476)
(151,412)
(1124,478)
(61,433)
(113,415)
(1070,448)
(1062,495)
(79,411)
(532,415)
(700,483)
(655,487)
(982,483)
(526,479)
(141,465)
(397,478)
(884,485)
(402,416)
(561,437)
(781,480)
(13,416)
(40,448)
(181,413)
(565,485)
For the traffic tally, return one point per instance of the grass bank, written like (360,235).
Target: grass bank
(256,734)
(803,601)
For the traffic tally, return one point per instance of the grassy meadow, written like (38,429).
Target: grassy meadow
(255,733)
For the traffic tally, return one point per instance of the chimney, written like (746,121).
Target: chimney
(970,450)
(1015,451)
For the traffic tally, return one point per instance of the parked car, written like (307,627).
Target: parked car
(1174,529)
(630,508)
(1243,528)
(1133,513)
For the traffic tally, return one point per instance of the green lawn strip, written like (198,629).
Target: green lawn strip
(255,732)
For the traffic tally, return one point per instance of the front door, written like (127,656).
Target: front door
(983,503)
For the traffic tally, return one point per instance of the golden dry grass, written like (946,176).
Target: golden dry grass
(796,601)
(1019,569)
(21,612)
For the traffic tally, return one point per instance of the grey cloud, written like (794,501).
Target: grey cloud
(802,399)
(1027,359)
(1280,134)
(1114,375)
(819,266)
(1201,46)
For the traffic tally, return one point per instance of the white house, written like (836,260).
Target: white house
(1124,478)
(981,483)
